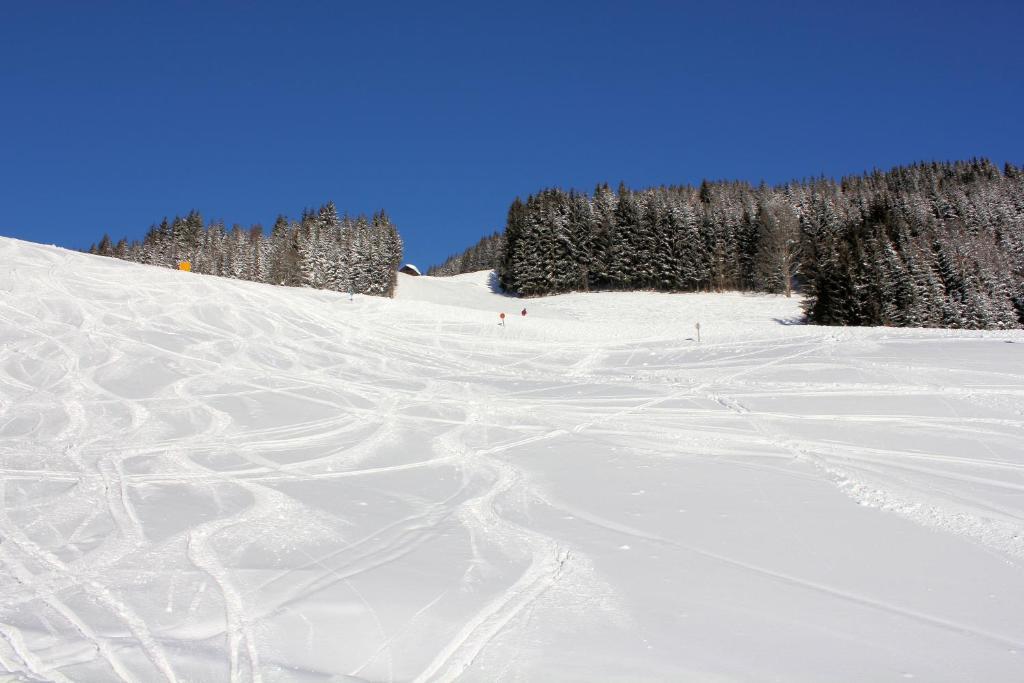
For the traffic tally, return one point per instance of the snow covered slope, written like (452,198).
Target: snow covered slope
(210,480)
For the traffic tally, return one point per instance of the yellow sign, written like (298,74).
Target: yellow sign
(185,265)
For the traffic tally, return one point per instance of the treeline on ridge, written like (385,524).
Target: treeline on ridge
(484,255)
(930,245)
(320,250)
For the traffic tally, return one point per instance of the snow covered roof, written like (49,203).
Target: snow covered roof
(411,269)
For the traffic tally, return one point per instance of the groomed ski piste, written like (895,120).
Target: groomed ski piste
(213,480)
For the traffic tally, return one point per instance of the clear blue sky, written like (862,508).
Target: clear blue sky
(113,115)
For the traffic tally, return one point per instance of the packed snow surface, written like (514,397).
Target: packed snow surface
(212,480)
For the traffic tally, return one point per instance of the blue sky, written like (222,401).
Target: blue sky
(113,115)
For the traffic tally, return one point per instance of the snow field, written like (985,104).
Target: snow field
(206,480)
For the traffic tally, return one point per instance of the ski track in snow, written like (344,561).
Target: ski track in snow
(205,479)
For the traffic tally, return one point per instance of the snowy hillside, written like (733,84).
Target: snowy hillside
(212,480)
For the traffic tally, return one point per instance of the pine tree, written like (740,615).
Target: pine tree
(928,244)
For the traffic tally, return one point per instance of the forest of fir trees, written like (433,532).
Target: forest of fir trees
(321,250)
(484,255)
(927,245)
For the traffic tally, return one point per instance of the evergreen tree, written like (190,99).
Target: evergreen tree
(928,244)
(319,251)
